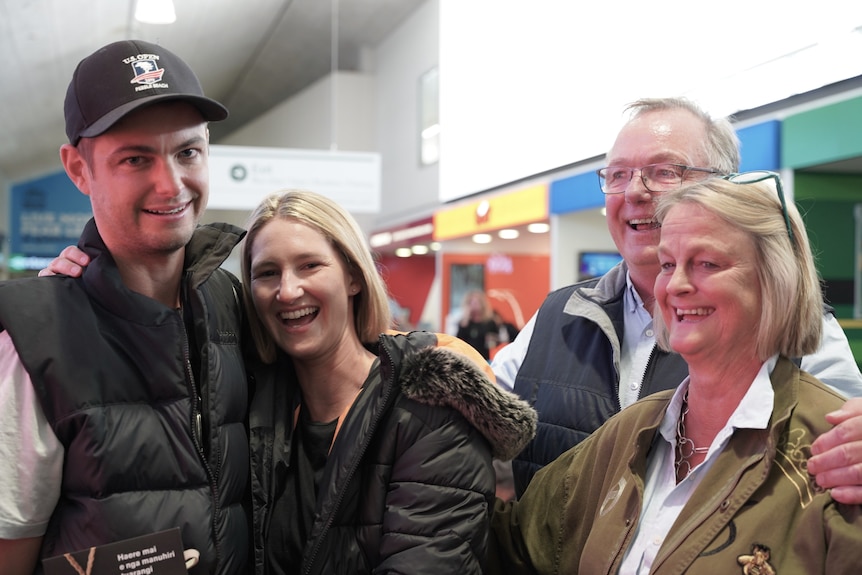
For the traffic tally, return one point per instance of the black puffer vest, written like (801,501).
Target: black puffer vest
(570,374)
(112,371)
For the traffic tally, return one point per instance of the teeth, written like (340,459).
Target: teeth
(642,221)
(696,311)
(168,212)
(298,313)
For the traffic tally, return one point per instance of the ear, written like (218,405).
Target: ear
(354,287)
(76,167)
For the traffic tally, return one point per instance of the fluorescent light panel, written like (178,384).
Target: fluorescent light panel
(155,11)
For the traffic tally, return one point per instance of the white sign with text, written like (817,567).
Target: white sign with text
(241,176)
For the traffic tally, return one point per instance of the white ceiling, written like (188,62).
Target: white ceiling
(249,54)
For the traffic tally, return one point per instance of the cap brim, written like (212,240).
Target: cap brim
(211,111)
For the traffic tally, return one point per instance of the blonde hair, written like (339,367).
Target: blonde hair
(487,312)
(371,314)
(791,318)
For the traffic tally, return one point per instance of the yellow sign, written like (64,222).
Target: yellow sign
(514,209)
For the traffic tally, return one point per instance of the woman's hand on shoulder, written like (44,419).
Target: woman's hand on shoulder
(70,262)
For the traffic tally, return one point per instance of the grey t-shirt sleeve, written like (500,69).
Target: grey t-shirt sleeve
(31,456)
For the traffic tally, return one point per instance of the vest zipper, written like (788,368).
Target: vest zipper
(197,436)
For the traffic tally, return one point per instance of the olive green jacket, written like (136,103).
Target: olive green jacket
(579,513)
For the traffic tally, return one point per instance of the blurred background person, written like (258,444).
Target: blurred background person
(507,330)
(477,325)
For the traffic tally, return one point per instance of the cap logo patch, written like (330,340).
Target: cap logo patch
(147,73)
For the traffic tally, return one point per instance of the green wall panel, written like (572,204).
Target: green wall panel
(821,186)
(826,202)
(822,135)
(854,338)
(831,230)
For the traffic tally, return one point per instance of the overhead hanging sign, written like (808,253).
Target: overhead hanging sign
(241,176)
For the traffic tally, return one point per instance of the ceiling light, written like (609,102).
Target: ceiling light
(538,228)
(482,238)
(419,250)
(155,11)
(403,252)
(435,246)
(431,131)
(380,239)
(508,234)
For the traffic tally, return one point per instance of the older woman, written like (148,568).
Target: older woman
(710,477)
(370,452)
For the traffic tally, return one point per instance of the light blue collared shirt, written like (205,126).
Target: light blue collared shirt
(636,346)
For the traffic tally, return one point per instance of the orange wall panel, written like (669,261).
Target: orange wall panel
(408,281)
(516,284)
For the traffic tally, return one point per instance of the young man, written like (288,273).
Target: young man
(590,349)
(124,391)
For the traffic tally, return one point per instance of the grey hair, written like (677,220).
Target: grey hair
(721,147)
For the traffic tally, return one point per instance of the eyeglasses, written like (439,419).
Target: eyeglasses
(655,177)
(760,176)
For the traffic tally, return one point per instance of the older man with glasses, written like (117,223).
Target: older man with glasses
(590,349)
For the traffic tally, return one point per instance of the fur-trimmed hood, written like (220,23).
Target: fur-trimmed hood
(437,376)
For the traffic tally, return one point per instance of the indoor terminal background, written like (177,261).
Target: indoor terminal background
(486,116)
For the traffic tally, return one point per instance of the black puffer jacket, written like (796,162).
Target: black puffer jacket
(409,483)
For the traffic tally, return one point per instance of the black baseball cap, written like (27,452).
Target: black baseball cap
(123,76)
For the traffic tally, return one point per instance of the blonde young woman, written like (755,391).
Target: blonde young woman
(371,451)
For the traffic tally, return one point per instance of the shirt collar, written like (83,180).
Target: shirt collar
(753,411)
(631,298)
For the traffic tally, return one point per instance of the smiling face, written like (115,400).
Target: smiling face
(147,179)
(671,136)
(302,291)
(708,288)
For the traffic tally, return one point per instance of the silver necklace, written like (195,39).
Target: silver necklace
(685,447)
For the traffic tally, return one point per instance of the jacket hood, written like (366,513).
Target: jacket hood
(437,376)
